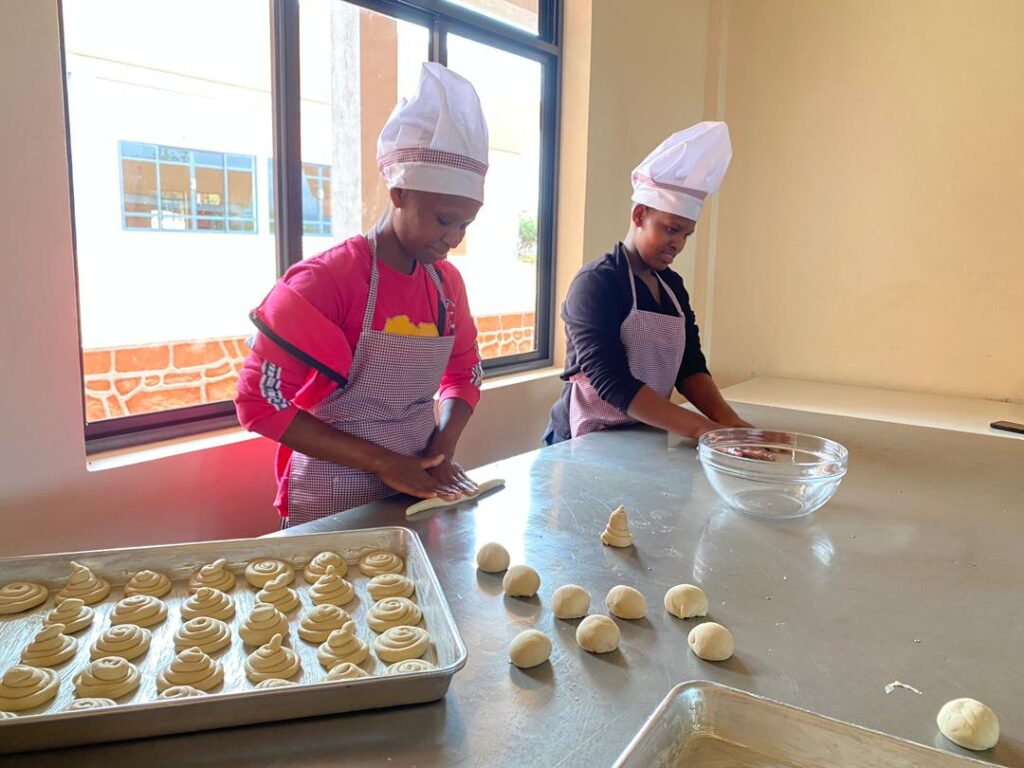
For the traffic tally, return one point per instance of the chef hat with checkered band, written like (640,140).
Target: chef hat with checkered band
(436,141)
(684,169)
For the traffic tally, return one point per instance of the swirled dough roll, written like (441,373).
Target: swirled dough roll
(262,623)
(272,660)
(108,678)
(626,602)
(207,634)
(259,572)
(23,687)
(128,641)
(209,602)
(401,643)
(570,601)
(318,566)
(275,682)
(492,557)
(72,613)
(19,596)
(180,692)
(85,585)
(598,634)
(616,533)
(711,641)
(393,612)
(390,585)
(278,594)
(968,723)
(148,583)
(409,666)
(191,667)
(317,624)
(529,648)
(331,589)
(684,601)
(345,671)
(214,575)
(49,647)
(376,563)
(342,645)
(140,610)
(96,703)
(521,581)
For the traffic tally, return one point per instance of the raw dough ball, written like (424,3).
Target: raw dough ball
(211,602)
(259,572)
(21,596)
(108,678)
(342,645)
(711,641)
(529,648)
(272,660)
(206,634)
(616,533)
(570,602)
(345,671)
(492,558)
(277,593)
(215,575)
(521,581)
(262,623)
(390,585)
(969,723)
(127,641)
(393,612)
(331,589)
(84,585)
(598,634)
(410,665)
(684,601)
(275,682)
(72,613)
(24,687)
(148,583)
(49,648)
(317,624)
(192,668)
(401,643)
(626,602)
(376,563)
(318,566)
(140,610)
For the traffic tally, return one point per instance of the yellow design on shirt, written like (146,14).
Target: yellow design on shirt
(401,325)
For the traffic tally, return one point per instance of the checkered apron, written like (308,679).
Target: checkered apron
(654,346)
(389,400)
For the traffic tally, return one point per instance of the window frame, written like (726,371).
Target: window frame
(440,18)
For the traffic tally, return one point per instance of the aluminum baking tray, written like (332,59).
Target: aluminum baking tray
(237,702)
(706,725)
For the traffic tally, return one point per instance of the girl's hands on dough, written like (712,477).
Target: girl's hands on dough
(450,474)
(414,476)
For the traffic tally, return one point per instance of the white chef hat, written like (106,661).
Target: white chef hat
(436,141)
(684,169)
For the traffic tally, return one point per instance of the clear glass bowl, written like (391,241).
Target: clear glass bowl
(772,474)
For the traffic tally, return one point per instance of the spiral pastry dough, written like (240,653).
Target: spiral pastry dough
(390,585)
(376,563)
(148,583)
(72,613)
(393,612)
(262,624)
(21,596)
(85,585)
(275,682)
(180,692)
(94,703)
(401,643)
(345,671)
(209,602)
(259,572)
(202,632)
(272,660)
(278,594)
(408,666)
(140,610)
(318,566)
(331,589)
(49,648)
(342,645)
(191,667)
(24,687)
(214,575)
(127,641)
(108,678)
(318,623)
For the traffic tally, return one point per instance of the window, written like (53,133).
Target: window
(270,145)
(177,189)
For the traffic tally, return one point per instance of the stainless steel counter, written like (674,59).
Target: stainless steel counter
(913,572)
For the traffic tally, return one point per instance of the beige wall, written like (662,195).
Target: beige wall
(870,229)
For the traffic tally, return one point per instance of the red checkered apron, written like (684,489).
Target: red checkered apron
(654,346)
(389,400)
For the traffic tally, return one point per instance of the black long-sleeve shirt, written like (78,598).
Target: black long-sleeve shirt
(598,302)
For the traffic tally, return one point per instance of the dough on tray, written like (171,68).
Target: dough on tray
(275,682)
(968,723)
(626,602)
(259,572)
(342,645)
(331,589)
(108,678)
(49,647)
(521,581)
(529,648)
(401,643)
(148,583)
(140,610)
(570,601)
(376,563)
(180,692)
(318,566)
(390,585)
(711,641)
(409,666)
(19,596)
(272,660)
(203,632)
(191,667)
(85,585)
(317,624)
(393,612)
(616,533)
(345,671)
(23,687)
(214,575)
(262,623)
(277,593)
(128,641)
(492,557)
(72,613)
(598,634)
(684,601)
(95,703)
(209,602)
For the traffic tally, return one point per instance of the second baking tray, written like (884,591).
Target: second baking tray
(705,725)
(239,703)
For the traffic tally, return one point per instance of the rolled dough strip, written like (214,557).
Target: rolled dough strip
(439,503)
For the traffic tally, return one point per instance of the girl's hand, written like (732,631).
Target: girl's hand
(450,474)
(412,475)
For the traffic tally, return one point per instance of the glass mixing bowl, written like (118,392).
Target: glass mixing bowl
(772,474)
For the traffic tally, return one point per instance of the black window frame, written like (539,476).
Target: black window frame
(440,18)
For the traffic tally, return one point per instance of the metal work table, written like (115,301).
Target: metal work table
(913,572)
